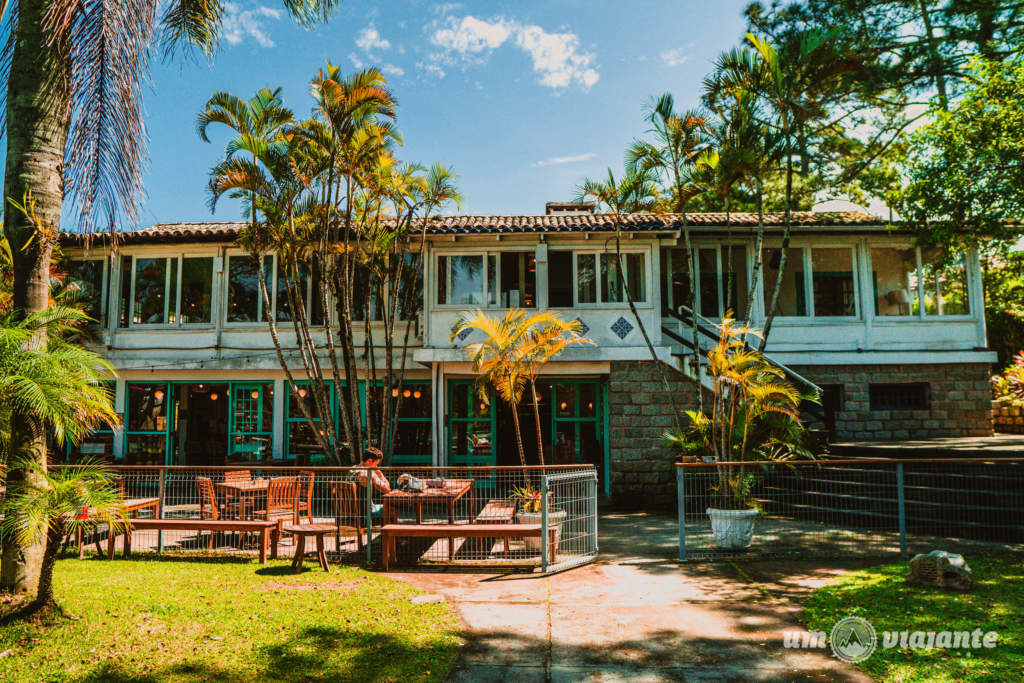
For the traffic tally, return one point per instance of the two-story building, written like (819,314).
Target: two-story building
(896,343)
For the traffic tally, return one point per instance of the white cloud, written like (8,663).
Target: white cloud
(239,24)
(392,69)
(675,57)
(369,39)
(356,62)
(556,161)
(431,69)
(557,57)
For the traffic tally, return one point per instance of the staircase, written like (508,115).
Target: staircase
(707,337)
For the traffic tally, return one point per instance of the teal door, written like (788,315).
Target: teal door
(250,428)
(471,426)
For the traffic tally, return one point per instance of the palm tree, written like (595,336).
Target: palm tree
(679,140)
(73,73)
(46,507)
(498,360)
(548,335)
(632,193)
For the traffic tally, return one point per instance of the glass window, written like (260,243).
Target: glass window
(736,282)
(366,292)
(410,301)
(461,280)
(792,297)
(126,291)
(586,278)
(245,302)
(492,280)
(894,281)
(560,282)
(676,286)
(299,287)
(413,433)
(154,294)
(636,276)
(147,407)
(945,283)
(611,279)
(518,280)
(707,269)
(196,290)
(832,277)
(85,279)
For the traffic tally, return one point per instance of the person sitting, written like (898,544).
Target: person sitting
(372,457)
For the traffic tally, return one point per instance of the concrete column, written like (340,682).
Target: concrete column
(120,399)
(541,256)
(277,438)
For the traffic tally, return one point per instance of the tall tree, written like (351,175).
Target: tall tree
(71,76)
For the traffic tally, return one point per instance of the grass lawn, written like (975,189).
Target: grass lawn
(179,618)
(882,596)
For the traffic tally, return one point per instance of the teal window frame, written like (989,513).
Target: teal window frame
(332,400)
(167,433)
(112,385)
(263,430)
(416,458)
(453,459)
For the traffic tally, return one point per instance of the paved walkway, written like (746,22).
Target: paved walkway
(636,615)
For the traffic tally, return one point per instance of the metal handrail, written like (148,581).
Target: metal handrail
(853,461)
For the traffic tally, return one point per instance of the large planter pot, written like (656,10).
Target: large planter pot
(733,529)
(555,519)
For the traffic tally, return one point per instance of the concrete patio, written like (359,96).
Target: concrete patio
(637,614)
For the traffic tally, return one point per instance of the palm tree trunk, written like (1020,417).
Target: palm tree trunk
(519,433)
(38,102)
(694,329)
(536,419)
(770,313)
(44,599)
(758,247)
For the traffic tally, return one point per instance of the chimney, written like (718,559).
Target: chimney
(568,208)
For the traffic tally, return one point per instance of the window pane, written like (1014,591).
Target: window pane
(586,278)
(304,393)
(565,400)
(560,284)
(588,400)
(410,294)
(85,278)
(147,407)
(707,268)
(244,289)
(467,280)
(150,291)
(738,284)
(894,279)
(145,449)
(679,278)
(126,291)
(196,290)
(945,283)
(366,292)
(412,438)
(518,280)
(172,292)
(637,274)
(791,301)
(832,270)
(415,402)
(299,291)
(611,279)
(492,280)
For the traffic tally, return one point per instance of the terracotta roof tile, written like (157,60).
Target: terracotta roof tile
(467,225)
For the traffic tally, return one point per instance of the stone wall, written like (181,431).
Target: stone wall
(642,472)
(1007,419)
(959,400)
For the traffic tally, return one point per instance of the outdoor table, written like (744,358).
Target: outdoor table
(452,490)
(246,491)
(300,532)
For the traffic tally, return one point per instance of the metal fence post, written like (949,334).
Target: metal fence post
(162,504)
(369,516)
(681,503)
(901,509)
(544,523)
(592,502)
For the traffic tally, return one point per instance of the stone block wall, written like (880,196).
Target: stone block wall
(1007,419)
(959,400)
(642,472)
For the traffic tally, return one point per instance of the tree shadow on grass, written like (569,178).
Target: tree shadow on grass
(315,653)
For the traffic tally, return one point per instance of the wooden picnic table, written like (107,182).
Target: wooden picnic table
(448,495)
(246,490)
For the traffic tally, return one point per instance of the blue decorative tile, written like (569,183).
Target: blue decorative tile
(584,328)
(622,327)
(465,333)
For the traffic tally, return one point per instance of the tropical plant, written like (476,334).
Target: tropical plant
(514,349)
(1008,386)
(47,506)
(530,499)
(755,415)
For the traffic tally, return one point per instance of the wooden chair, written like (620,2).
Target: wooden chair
(207,502)
(282,498)
(350,509)
(304,503)
(238,475)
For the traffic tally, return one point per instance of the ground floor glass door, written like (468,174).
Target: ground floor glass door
(251,422)
(471,426)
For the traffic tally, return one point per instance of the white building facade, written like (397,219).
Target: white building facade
(896,342)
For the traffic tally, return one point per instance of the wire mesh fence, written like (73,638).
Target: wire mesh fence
(364,505)
(855,508)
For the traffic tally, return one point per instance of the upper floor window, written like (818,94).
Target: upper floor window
(817,282)
(904,278)
(505,279)
(595,278)
(87,277)
(721,272)
(245,302)
(171,290)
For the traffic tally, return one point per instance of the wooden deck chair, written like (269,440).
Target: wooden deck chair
(305,498)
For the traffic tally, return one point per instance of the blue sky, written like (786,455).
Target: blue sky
(522,99)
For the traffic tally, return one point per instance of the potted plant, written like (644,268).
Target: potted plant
(755,416)
(529,504)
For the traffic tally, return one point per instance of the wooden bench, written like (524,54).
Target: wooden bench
(389,532)
(497,511)
(268,530)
